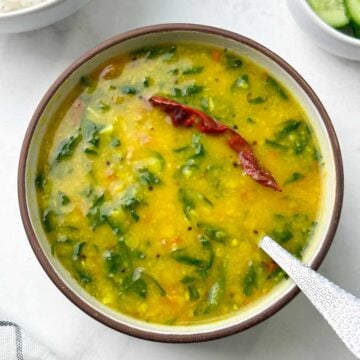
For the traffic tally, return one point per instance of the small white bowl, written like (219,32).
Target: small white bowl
(38,16)
(326,37)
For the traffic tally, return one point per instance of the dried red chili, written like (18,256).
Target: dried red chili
(187,116)
(184,115)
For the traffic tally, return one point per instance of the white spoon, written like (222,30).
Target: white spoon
(340,309)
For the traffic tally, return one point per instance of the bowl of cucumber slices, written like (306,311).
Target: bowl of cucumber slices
(333,25)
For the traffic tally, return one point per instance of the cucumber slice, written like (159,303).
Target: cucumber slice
(356,29)
(333,12)
(353,7)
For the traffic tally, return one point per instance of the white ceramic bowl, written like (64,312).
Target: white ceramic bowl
(38,16)
(326,37)
(160,34)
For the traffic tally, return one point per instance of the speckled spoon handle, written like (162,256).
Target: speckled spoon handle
(339,308)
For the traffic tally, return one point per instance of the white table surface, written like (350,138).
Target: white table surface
(30,62)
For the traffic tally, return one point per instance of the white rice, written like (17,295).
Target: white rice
(12,5)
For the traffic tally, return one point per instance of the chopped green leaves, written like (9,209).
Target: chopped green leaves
(177,93)
(195,153)
(189,90)
(233,61)
(288,127)
(193,70)
(214,294)
(198,150)
(79,266)
(102,107)
(40,181)
(293,232)
(130,201)
(156,51)
(101,212)
(159,160)
(193,293)
(181,149)
(129,90)
(250,281)
(275,145)
(147,81)
(49,220)
(95,214)
(96,197)
(213,232)
(67,147)
(277,275)
(197,146)
(148,178)
(182,257)
(207,104)
(63,199)
(293,178)
(83,275)
(256,100)
(137,284)
(174,72)
(213,175)
(192,90)
(155,283)
(137,287)
(187,202)
(113,261)
(78,248)
(190,199)
(120,262)
(90,134)
(188,279)
(86,81)
(276,87)
(282,235)
(242,82)
(293,136)
(115,142)
(130,197)
(116,227)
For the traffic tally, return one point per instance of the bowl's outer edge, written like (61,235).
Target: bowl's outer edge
(176,338)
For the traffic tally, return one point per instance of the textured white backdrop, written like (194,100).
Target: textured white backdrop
(30,62)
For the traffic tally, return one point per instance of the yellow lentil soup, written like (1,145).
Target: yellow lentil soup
(161,222)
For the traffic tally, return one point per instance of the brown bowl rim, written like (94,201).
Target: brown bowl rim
(76,299)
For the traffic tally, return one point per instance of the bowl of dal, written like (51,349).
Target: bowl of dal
(154,165)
